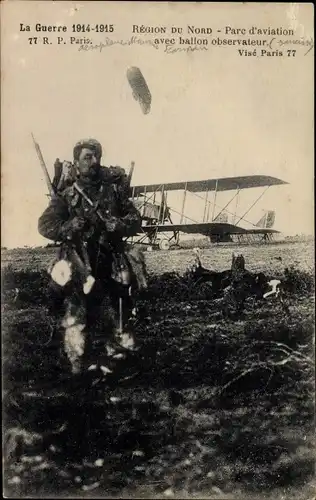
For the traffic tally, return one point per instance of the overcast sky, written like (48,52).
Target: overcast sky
(213,113)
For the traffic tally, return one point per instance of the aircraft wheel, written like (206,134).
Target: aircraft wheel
(164,245)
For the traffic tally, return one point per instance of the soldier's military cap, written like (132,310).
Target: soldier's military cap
(87,143)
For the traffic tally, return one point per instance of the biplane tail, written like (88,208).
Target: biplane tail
(267,220)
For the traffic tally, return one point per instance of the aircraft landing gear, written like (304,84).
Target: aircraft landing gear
(164,244)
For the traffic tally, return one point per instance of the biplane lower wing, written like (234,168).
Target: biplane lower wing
(206,228)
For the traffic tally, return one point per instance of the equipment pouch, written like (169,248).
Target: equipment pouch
(121,272)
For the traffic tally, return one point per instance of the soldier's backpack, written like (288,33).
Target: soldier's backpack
(64,175)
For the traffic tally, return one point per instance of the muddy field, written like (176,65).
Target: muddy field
(212,405)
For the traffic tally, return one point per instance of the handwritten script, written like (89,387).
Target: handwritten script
(109,43)
(304,42)
(274,43)
(170,49)
(134,40)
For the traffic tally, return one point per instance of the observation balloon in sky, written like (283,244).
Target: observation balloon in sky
(141,92)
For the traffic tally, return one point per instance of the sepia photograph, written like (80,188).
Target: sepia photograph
(157,250)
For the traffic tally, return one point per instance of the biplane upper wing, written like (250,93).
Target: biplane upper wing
(206,228)
(222,184)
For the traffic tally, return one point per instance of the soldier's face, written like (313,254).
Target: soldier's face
(88,162)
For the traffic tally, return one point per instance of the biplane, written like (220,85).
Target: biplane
(159,230)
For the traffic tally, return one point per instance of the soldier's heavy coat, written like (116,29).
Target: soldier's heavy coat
(95,255)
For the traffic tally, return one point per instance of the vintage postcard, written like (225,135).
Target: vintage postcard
(157,249)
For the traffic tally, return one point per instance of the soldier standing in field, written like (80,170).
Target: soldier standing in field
(94,272)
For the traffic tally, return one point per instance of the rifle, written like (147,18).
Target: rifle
(130,173)
(84,263)
(51,190)
(89,201)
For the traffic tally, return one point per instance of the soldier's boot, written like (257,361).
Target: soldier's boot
(127,339)
(125,336)
(121,343)
(123,339)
